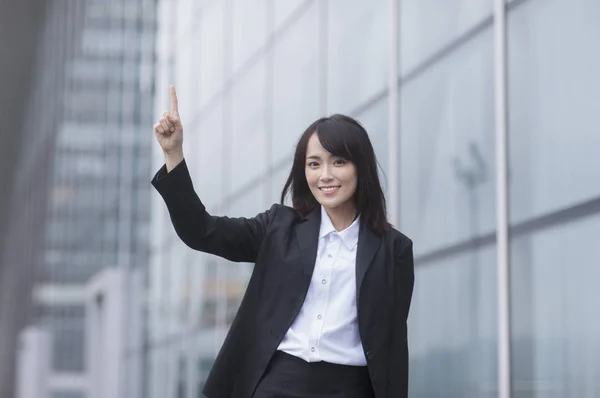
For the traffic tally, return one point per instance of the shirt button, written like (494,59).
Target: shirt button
(319,317)
(329,255)
(312,349)
(324,281)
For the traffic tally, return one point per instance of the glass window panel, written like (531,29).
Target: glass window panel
(554,104)
(208,170)
(129,72)
(284,9)
(93,100)
(155,292)
(426,26)
(134,306)
(295,84)
(68,342)
(198,273)
(133,373)
(146,73)
(182,377)
(85,166)
(375,121)
(108,43)
(209,305)
(248,145)
(158,382)
(90,70)
(177,276)
(211,47)
(249,29)
(248,204)
(67,394)
(555,323)
(185,17)
(112,106)
(193,137)
(277,181)
(163,297)
(453,328)
(447,192)
(185,72)
(204,367)
(357,58)
(111,229)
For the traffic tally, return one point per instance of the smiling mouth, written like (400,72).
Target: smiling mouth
(329,190)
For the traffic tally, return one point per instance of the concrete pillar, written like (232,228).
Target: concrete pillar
(33,367)
(104,334)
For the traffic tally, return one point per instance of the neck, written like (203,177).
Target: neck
(342,217)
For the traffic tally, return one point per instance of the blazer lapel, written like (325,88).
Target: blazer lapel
(307,234)
(368,243)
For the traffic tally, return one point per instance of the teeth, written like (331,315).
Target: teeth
(329,189)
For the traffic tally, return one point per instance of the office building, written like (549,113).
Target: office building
(37,40)
(251,76)
(82,174)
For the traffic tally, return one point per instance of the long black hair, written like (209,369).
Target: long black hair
(341,136)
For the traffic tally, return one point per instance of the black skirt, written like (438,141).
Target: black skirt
(288,376)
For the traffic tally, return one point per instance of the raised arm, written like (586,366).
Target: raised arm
(236,239)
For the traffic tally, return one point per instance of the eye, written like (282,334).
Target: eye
(312,164)
(340,161)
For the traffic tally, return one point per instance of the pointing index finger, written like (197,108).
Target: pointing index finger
(174,102)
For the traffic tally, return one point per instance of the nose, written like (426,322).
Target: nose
(326,174)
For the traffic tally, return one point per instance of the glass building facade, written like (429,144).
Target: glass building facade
(77,196)
(98,212)
(251,76)
(23,190)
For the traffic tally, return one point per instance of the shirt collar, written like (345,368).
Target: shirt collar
(349,235)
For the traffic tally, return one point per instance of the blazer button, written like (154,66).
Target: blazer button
(369,355)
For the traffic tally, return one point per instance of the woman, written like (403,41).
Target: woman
(325,311)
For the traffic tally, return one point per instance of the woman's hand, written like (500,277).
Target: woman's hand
(169,133)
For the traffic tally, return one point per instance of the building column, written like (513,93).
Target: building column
(33,358)
(502,242)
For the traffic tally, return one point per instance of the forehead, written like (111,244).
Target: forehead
(314,147)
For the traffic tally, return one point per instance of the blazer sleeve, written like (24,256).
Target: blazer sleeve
(235,239)
(405,278)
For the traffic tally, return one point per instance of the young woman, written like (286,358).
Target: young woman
(325,311)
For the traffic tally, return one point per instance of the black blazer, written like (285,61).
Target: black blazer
(283,247)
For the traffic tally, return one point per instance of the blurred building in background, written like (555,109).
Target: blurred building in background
(78,193)
(251,76)
(38,40)
(98,212)
(22,194)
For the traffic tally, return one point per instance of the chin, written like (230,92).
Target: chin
(327,205)
(332,203)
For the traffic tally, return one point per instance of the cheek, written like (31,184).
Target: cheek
(310,177)
(350,178)
(352,183)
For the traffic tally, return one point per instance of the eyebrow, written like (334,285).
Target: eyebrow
(313,157)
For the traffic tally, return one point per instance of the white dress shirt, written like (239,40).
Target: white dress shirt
(326,328)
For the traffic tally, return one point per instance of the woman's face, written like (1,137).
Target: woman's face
(331,179)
